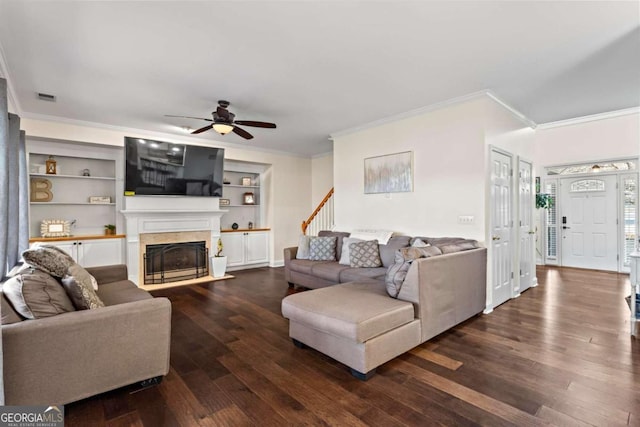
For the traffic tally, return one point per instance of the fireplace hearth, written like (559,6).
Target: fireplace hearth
(174,262)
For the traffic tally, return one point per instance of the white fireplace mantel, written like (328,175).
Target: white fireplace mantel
(141,221)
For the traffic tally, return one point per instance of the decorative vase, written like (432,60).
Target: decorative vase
(219,266)
(109,231)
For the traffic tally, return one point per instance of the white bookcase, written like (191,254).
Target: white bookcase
(243,181)
(71,190)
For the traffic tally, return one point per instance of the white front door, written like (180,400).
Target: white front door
(588,222)
(526,231)
(501,226)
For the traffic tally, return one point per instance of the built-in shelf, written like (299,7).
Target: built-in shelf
(73,203)
(44,175)
(81,237)
(241,186)
(65,195)
(243,230)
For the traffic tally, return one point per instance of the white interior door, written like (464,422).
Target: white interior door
(588,222)
(526,231)
(501,226)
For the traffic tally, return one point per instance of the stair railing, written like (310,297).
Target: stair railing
(321,218)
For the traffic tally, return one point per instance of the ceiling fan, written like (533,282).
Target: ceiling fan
(224,122)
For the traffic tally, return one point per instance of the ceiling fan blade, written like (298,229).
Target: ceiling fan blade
(207,127)
(243,133)
(256,124)
(223,112)
(188,117)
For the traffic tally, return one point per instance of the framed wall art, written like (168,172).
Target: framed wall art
(391,173)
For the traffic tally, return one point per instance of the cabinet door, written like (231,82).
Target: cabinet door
(257,247)
(233,248)
(93,253)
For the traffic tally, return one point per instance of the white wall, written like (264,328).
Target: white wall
(448,168)
(288,179)
(605,139)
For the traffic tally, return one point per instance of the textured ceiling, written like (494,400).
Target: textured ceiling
(314,68)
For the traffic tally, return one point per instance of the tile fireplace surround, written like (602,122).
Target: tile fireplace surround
(155,222)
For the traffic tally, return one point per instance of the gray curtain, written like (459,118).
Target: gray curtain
(14,196)
(16,187)
(4,206)
(4,177)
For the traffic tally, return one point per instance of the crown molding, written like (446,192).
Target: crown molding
(144,133)
(411,113)
(590,118)
(524,119)
(438,106)
(4,73)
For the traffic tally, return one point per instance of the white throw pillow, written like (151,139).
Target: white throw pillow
(344,256)
(303,247)
(419,243)
(382,236)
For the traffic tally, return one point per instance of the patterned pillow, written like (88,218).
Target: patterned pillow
(82,294)
(322,248)
(404,257)
(365,254)
(80,271)
(35,294)
(48,260)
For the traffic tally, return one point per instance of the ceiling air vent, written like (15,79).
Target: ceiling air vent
(46,97)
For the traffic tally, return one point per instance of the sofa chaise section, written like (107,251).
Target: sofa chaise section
(360,325)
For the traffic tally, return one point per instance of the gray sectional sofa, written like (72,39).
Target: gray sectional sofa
(351,317)
(74,355)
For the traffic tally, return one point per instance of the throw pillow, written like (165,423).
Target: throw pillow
(344,256)
(82,295)
(419,243)
(35,294)
(365,254)
(53,248)
(79,271)
(398,271)
(303,247)
(322,249)
(48,260)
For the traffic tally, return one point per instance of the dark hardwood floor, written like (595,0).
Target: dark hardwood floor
(560,354)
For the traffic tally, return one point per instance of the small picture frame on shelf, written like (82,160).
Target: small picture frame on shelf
(55,228)
(225,202)
(246,181)
(248,199)
(99,200)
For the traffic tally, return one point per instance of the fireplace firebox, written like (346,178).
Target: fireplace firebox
(173,262)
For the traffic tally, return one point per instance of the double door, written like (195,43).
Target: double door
(245,248)
(512,262)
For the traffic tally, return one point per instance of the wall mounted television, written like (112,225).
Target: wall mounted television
(156,168)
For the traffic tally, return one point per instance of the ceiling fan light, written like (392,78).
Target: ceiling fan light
(222,128)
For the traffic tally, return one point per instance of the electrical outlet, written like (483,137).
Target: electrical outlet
(466,219)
